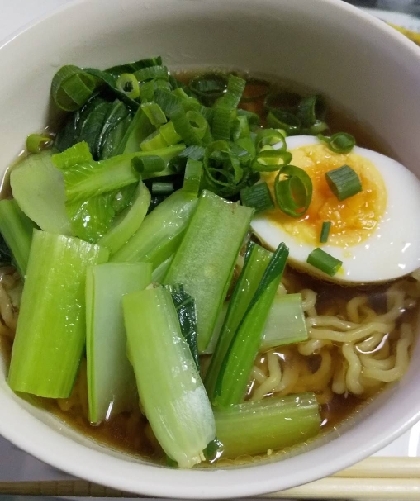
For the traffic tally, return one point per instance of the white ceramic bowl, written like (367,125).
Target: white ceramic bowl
(354,59)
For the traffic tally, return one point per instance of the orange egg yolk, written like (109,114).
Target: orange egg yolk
(352,220)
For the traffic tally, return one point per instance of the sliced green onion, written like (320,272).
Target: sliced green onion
(208,87)
(323,261)
(311,109)
(234,91)
(35,143)
(134,66)
(225,168)
(341,142)
(271,160)
(162,188)
(152,73)
(343,182)
(271,137)
(191,126)
(318,127)
(284,120)
(293,190)
(257,196)
(193,176)
(154,113)
(71,87)
(325,232)
(128,84)
(169,134)
(220,126)
(240,128)
(153,142)
(148,164)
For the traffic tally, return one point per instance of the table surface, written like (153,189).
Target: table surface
(17,466)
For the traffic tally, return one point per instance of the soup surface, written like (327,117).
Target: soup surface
(360,337)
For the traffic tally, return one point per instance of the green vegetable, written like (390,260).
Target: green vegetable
(257,196)
(208,87)
(128,84)
(193,176)
(205,259)
(185,308)
(129,222)
(86,179)
(341,142)
(255,265)
(50,334)
(343,182)
(38,187)
(139,128)
(267,425)
(237,363)
(170,388)
(323,261)
(293,190)
(111,382)
(71,87)
(161,231)
(35,143)
(285,323)
(162,188)
(325,232)
(16,229)
(91,189)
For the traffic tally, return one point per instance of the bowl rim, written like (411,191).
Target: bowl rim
(152,481)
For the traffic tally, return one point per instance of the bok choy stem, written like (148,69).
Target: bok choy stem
(269,424)
(50,333)
(170,388)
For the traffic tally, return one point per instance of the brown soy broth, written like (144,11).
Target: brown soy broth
(130,431)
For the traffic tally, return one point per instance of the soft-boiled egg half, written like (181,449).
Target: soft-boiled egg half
(375,233)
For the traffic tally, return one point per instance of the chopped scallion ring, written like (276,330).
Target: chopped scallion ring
(35,143)
(271,138)
(293,190)
(324,262)
(71,87)
(162,188)
(269,160)
(325,232)
(341,142)
(343,182)
(128,84)
(284,120)
(257,196)
(208,87)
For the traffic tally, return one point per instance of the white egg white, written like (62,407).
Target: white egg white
(391,251)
